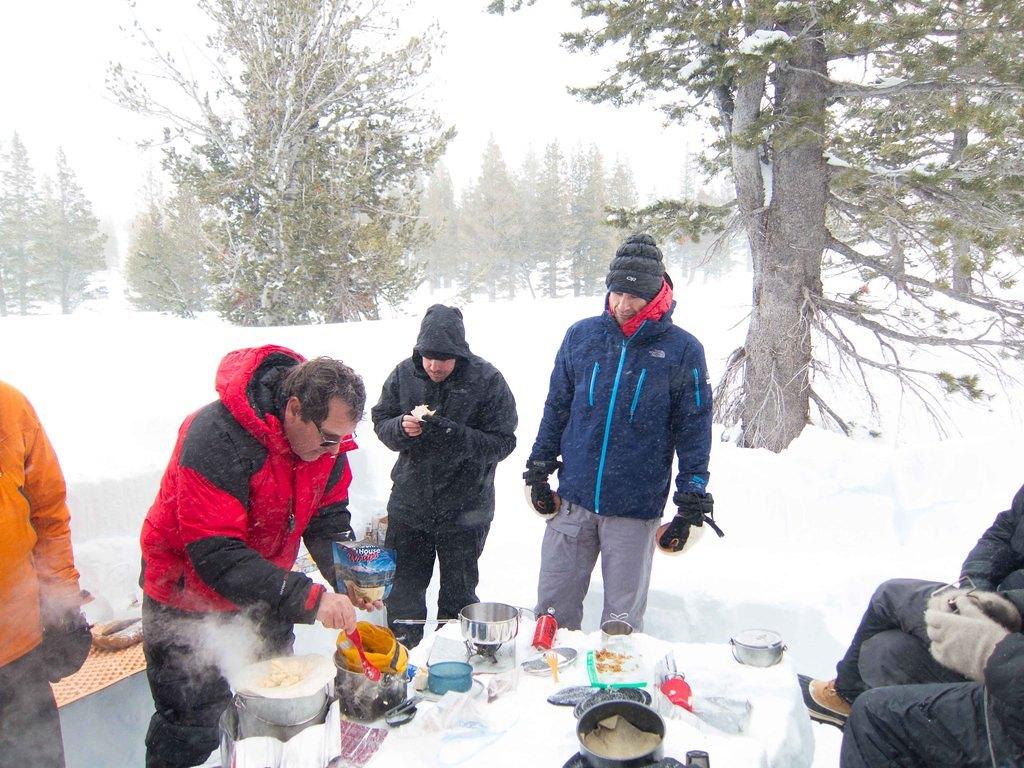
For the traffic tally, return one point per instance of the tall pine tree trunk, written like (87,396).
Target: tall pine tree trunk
(962,267)
(787,253)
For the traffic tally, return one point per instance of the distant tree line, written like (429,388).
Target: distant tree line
(51,245)
(545,228)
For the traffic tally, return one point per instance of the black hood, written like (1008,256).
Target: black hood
(443,331)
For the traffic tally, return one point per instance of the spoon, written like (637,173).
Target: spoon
(368,669)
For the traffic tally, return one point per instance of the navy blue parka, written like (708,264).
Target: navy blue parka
(617,411)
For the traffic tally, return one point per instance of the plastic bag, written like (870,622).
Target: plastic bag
(366,569)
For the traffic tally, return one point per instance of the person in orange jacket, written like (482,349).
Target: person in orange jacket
(43,634)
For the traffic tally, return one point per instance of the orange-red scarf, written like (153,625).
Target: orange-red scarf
(655,309)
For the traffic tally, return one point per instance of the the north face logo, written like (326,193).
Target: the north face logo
(658,353)
(631,278)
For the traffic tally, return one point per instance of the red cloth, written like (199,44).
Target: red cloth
(655,309)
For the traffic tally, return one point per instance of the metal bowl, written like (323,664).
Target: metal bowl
(757,647)
(640,715)
(489,623)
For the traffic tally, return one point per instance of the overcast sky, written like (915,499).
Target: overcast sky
(497,76)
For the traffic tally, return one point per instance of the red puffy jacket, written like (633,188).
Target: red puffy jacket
(235,500)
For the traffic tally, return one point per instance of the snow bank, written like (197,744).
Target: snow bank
(810,532)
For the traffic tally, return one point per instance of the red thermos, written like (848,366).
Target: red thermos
(544,634)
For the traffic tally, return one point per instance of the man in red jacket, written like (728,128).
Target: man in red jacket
(251,474)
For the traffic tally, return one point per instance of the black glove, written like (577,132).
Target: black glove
(440,425)
(65,645)
(695,509)
(536,476)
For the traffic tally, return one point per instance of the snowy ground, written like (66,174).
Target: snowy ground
(810,532)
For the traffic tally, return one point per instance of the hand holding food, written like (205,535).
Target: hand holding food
(420,411)
(366,598)
(412,426)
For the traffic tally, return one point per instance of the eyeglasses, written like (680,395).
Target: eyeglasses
(325,441)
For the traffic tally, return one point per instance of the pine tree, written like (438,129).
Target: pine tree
(491,231)
(527,183)
(167,253)
(592,242)
(70,245)
(19,221)
(909,179)
(551,227)
(307,149)
(621,186)
(440,256)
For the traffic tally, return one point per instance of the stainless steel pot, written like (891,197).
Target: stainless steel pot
(482,624)
(280,718)
(757,647)
(640,715)
(489,623)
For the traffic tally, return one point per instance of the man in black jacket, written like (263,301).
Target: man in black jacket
(442,500)
(978,723)
(890,646)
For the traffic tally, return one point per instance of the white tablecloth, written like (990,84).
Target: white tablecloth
(522,729)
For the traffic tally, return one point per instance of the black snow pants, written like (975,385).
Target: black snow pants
(189,690)
(457,551)
(890,646)
(919,726)
(29,723)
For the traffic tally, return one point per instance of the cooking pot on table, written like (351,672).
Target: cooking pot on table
(282,712)
(482,623)
(640,715)
(757,647)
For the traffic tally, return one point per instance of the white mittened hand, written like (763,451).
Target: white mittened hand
(998,608)
(941,603)
(963,643)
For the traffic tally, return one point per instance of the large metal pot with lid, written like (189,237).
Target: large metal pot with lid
(281,696)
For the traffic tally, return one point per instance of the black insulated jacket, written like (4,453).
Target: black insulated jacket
(446,477)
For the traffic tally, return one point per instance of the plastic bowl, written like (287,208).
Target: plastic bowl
(447,676)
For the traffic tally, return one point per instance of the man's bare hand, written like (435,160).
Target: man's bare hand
(336,612)
(412,425)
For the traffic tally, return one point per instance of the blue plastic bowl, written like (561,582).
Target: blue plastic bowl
(447,676)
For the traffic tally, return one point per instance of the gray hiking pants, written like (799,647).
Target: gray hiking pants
(573,540)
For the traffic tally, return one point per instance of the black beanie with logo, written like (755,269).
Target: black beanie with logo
(637,269)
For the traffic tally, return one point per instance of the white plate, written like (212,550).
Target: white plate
(476,690)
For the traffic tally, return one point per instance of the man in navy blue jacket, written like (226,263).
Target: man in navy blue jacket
(629,389)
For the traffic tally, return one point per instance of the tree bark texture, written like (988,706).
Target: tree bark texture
(787,252)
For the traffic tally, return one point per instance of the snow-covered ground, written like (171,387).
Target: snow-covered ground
(810,531)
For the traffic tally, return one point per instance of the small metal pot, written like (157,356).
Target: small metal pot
(362,699)
(482,624)
(640,715)
(757,647)
(489,623)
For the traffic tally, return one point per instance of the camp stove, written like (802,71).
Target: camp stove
(484,658)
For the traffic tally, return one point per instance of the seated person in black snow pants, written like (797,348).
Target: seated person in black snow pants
(890,647)
(973,724)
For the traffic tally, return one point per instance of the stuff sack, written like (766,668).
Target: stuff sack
(380,646)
